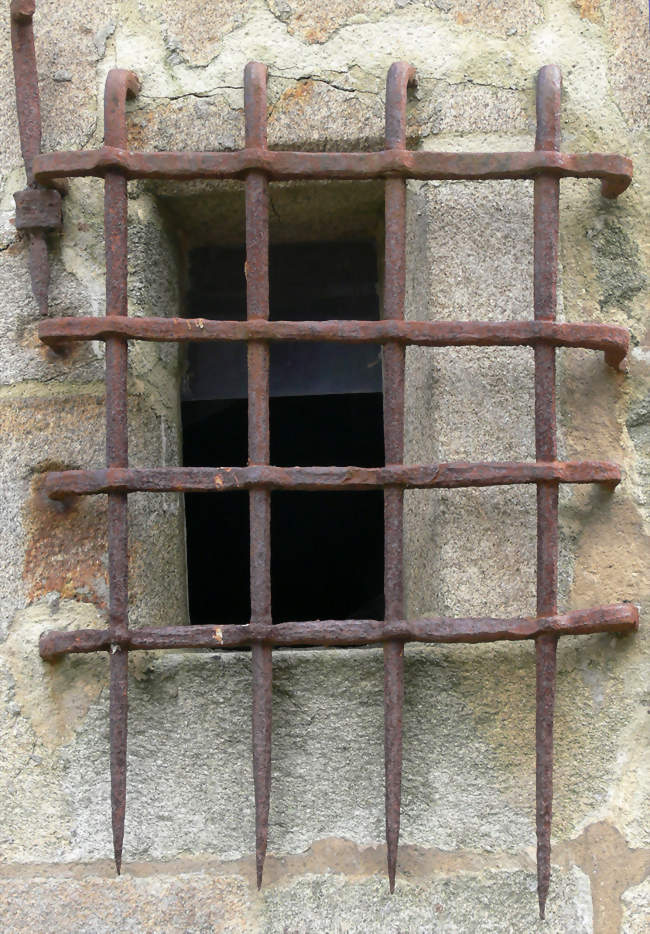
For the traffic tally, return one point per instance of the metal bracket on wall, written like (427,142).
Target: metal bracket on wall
(256,166)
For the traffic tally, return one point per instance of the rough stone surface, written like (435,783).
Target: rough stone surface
(470,403)
(52,547)
(636,908)
(188,903)
(613,867)
(193,31)
(464,108)
(468,788)
(463,903)
(468,771)
(71,108)
(210,122)
(171,746)
(629,59)
(491,16)
(315,22)
(191,901)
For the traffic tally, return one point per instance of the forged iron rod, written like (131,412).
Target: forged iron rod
(545,258)
(400,76)
(612,339)
(615,172)
(28,103)
(29,125)
(618,618)
(119,84)
(60,484)
(257,304)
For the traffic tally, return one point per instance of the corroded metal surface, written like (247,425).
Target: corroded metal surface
(614,171)
(28,104)
(257,304)
(453,475)
(400,76)
(617,618)
(612,339)
(546,216)
(37,210)
(255,166)
(119,84)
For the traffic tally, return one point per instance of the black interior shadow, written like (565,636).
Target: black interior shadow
(325,409)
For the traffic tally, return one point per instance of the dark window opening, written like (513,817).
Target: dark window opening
(325,409)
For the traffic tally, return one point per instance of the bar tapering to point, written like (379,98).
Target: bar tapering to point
(119,85)
(400,76)
(39,269)
(545,258)
(257,301)
(118,710)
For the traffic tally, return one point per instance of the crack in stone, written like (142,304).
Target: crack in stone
(26,762)
(211,92)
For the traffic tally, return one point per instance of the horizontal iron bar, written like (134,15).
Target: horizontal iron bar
(617,618)
(59,484)
(615,171)
(614,340)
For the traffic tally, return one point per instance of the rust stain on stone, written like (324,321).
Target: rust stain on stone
(299,95)
(16,247)
(145,122)
(28,339)
(589,9)
(66,542)
(603,853)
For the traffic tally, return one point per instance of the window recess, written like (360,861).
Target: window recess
(255,166)
(325,407)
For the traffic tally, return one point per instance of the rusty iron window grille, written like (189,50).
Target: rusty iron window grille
(38,209)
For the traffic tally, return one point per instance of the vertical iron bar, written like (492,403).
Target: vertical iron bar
(546,228)
(119,85)
(257,299)
(400,76)
(28,103)
(28,106)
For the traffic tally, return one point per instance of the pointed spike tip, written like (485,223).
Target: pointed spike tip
(392,862)
(392,866)
(260,871)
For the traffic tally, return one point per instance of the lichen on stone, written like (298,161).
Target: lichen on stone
(617,262)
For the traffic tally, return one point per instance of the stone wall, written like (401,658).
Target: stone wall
(468,836)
